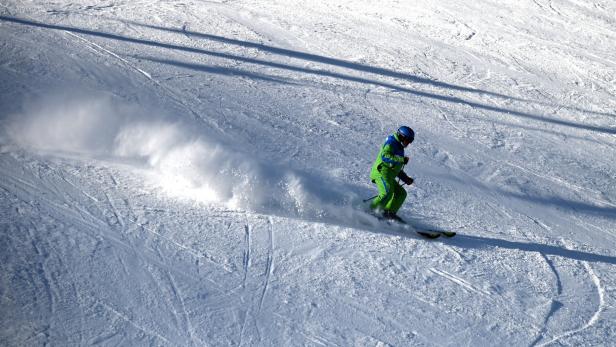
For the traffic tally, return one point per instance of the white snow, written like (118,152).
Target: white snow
(186,173)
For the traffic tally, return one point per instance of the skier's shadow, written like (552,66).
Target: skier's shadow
(467,241)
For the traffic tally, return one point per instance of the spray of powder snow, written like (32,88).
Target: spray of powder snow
(183,163)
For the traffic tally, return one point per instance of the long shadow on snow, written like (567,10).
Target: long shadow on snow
(480,242)
(323,60)
(607,212)
(324,73)
(468,241)
(219,70)
(349,65)
(463,240)
(206,68)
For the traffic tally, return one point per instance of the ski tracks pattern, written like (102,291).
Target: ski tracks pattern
(556,303)
(108,236)
(600,291)
(259,251)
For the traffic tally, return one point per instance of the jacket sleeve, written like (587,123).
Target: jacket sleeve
(388,157)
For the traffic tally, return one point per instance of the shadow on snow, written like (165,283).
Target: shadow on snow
(317,72)
(350,65)
(478,242)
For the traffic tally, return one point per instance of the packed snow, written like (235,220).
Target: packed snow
(192,173)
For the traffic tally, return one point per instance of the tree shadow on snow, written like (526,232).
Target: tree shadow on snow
(320,72)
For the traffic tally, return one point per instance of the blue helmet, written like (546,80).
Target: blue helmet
(406,134)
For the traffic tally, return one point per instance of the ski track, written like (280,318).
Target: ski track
(595,317)
(255,285)
(246,259)
(269,268)
(459,281)
(98,48)
(188,326)
(132,322)
(555,304)
(600,293)
(559,289)
(195,253)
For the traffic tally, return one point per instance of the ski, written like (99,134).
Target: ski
(427,233)
(432,234)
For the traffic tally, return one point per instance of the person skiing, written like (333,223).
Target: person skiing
(388,165)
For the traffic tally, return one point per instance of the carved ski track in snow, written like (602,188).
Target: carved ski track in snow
(97,48)
(555,306)
(131,321)
(197,254)
(246,260)
(48,281)
(188,324)
(246,266)
(460,281)
(255,285)
(114,211)
(595,317)
(559,289)
(270,262)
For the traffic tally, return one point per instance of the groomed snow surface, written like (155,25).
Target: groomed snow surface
(191,173)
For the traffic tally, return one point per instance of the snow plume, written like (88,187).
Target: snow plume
(197,168)
(70,121)
(181,161)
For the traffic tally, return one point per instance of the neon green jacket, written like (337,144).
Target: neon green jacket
(390,160)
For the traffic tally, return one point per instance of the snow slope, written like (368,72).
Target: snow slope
(183,173)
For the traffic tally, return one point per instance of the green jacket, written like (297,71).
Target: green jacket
(390,160)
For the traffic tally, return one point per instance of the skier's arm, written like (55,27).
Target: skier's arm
(390,158)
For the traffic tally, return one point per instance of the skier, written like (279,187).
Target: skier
(388,165)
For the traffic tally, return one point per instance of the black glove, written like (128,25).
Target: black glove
(408,180)
(406,160)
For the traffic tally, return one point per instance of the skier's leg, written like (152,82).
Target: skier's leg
(385,193)
(399,195)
